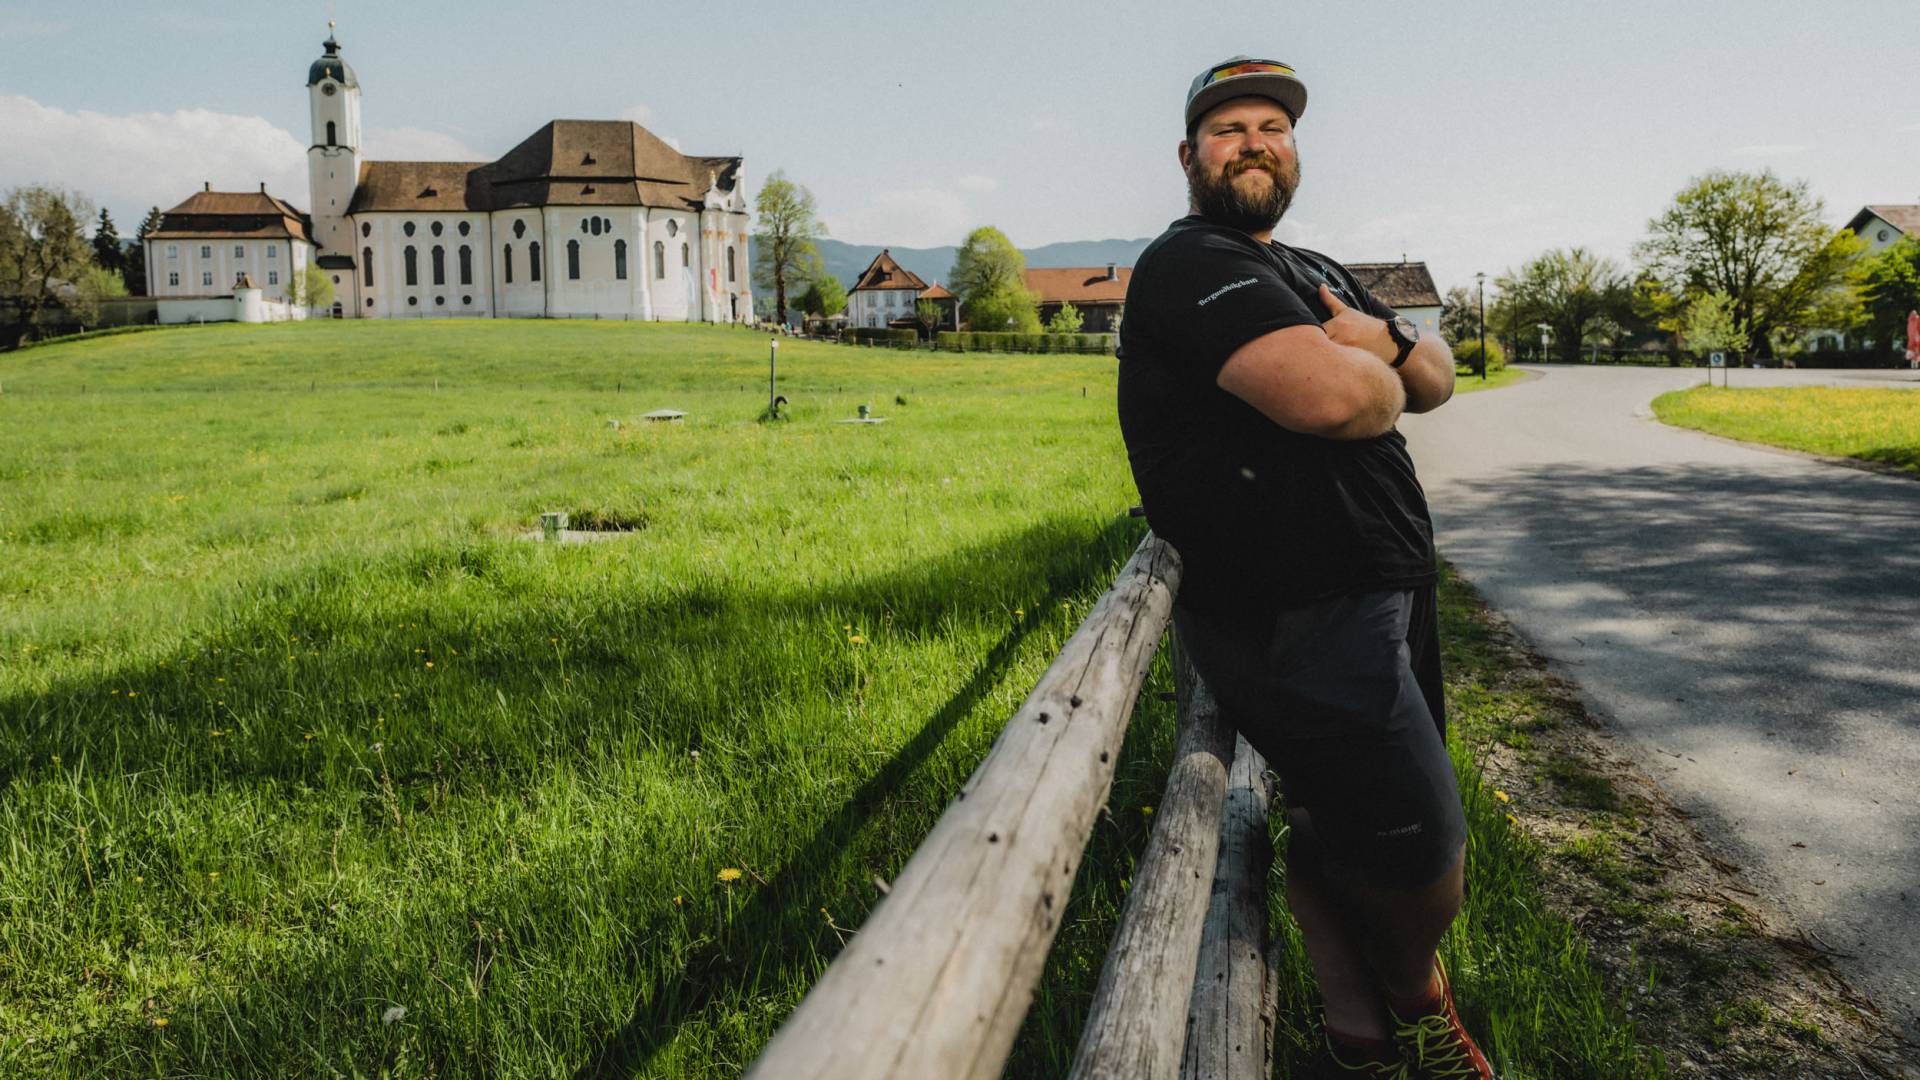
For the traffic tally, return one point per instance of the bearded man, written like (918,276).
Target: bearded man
(1259,388)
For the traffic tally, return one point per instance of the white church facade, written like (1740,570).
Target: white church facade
(584,218)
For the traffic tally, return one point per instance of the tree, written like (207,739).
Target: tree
(783,249)
(1578,295)
(135,271)
(310,288)
(1760,241)
(988,279)
(928,314)
(1889,286)
(1459,316)
(825,296)
(1065,321)
(106,245)
(43,253)
(1712,325)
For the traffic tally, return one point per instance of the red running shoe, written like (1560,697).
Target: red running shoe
(1437,1045)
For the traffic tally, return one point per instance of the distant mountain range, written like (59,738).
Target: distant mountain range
(845,261)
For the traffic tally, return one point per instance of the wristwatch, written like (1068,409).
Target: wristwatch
(1404,334)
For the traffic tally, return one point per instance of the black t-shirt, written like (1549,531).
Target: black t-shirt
(1264,518)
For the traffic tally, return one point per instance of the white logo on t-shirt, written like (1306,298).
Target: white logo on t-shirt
(1223,290)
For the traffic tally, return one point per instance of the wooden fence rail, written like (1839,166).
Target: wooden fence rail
(940,976)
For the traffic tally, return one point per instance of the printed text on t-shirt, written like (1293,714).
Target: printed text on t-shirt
(1223,290)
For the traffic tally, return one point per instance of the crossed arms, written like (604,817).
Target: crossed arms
(1333,380)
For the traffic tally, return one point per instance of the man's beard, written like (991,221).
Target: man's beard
(1220,201)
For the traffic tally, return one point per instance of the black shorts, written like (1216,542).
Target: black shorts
(1344,700)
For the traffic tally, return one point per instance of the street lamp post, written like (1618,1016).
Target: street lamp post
(1481,282)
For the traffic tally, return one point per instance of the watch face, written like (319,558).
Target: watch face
(1405,330)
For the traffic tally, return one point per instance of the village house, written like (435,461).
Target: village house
(885,294)
(1406,287)
(1097,293)
(206,245)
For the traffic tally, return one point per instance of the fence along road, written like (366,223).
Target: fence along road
(938,979)
(1746,617)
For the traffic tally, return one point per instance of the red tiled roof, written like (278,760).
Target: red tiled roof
(1398,285)
(884,273)
(1079,284)
(1906,218)
(935,291)
(231,215)
(565,163)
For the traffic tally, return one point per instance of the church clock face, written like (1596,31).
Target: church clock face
(327,89)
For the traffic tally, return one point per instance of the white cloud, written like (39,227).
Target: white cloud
(415,144)
(639,114)
(976,182)
(918,217)
(128,163)
(1771,149)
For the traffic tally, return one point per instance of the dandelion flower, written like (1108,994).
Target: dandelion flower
(429,663)
(1501,795)
(679,901)
(1147,810)
(159,1021)
(857,640)
(213,874)
(1512,819)
(727,874)
(138,878)
(1019,613)
(133,693)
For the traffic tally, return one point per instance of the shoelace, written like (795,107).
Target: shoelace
(1446,1057)
(1376,1070)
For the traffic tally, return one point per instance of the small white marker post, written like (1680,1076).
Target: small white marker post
(773,350)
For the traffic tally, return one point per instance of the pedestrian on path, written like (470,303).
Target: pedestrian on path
(1259,388)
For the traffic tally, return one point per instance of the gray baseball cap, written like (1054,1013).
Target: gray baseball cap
(1244,75)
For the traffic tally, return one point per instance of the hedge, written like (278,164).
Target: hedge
(882,335)
(1000,341)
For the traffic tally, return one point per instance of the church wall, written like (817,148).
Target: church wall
(391,297)
(214,273)
(523,296)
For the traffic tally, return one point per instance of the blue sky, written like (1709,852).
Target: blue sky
(1471,135)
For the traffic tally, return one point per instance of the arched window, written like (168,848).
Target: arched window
(519,229)
(411,258)
(533,260)
(330,138)
(407,228)
(573,260)
(659,259)
(366,267)
(620,259)
(686,259)
(439,265)
(506,261)
(366,228)
(466,265)
(729,263)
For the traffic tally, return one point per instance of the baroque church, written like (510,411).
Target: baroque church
(585,218)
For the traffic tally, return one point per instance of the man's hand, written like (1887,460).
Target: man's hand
(1357,329)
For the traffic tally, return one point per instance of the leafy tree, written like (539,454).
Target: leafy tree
(1761,241)
(135,271)
(1459,316)
(987,277)
(1065,321)
(106,245)
(43,253)
(1889,286)
(825,296)
(783,250)
(1580,296)
(310,288)
(1712,325)
(928,314)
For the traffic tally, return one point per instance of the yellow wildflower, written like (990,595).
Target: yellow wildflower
(159,1021)
(1147,810)
(727,874)
(429,663)
(1019,613)
(857,640)
(1501,795)
(1513,820)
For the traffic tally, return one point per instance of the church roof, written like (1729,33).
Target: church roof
(1906,218)
(330,66)
(1079,284)
(1398,285)
(565,163)
(884,273)
(231,214)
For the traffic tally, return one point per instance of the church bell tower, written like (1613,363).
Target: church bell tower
(333,160)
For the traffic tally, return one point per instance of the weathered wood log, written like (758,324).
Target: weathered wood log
(939,978)
(1230,1024)
(1138,1019)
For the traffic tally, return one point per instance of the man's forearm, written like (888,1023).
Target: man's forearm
(1427,375)
(1382,398)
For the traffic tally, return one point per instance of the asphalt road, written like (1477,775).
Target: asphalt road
(1748,619)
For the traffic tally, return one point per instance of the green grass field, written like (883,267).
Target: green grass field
(311,765)
(1881,426)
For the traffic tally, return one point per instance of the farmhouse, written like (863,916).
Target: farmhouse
(1406,287)
(206,245)
(885,293)
(584,218)
(1097,293)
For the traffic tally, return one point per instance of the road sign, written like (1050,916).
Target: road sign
(1718,359)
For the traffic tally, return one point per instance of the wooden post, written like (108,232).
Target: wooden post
(1231,1020)
(939,978)
(1139,1016)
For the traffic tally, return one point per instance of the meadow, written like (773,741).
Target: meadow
(1880,426)
(313,763)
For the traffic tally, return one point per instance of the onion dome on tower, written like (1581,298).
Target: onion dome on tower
(330,66)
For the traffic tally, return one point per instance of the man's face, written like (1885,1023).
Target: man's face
(1242,167)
